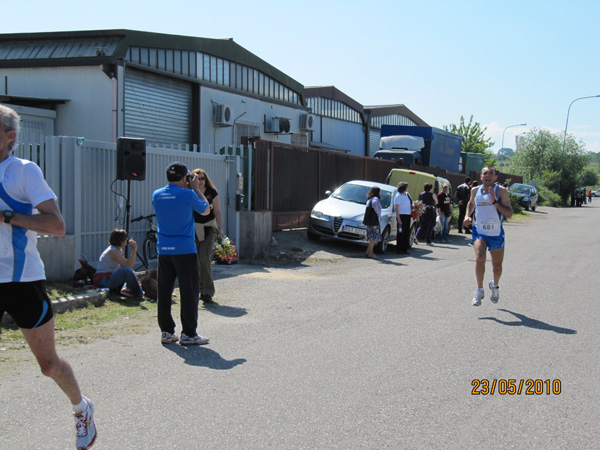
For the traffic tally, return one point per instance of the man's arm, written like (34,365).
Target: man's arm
(48,221)
(503,202)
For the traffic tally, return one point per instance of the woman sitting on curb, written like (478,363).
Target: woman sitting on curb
(114,269)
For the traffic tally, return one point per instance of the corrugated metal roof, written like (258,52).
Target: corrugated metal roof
(57,48)
(79,47)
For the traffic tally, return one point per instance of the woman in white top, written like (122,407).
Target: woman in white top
(114,270)
(403,208)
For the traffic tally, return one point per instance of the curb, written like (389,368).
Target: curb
(63,304)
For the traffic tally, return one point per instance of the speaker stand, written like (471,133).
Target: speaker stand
(127,210)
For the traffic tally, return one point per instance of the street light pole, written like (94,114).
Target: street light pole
(565,137)
(567,123)
(510,126)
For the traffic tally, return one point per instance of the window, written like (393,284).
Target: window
(213,69)
(206,68)
(220,71)
(226,80)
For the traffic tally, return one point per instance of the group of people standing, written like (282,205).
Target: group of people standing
(581,197)
(437,206)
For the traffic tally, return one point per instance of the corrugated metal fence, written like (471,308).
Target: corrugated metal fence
(291,179)
(93,202)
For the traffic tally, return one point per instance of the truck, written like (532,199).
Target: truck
(438,148)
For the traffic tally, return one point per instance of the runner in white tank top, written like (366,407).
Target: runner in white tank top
(491,204)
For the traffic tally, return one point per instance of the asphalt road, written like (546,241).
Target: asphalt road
(355,354)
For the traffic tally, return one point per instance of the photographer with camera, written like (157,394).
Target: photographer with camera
(174,205)
(114,270)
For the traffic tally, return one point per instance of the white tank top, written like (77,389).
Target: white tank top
(488,219)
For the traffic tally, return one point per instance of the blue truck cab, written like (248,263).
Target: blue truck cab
(440,148)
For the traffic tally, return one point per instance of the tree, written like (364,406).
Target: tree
(541,158)
(474,139)
(589,177)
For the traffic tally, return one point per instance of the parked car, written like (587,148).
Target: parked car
(340,216)
(528,196)
(596,193)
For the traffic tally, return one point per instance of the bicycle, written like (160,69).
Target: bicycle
(149,251)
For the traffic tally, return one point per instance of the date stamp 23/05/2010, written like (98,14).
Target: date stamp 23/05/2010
(512,386)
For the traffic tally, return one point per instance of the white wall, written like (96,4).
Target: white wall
(343,134)
(89,111)
(245,110)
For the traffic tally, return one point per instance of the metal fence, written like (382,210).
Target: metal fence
(93,202)
(291,179)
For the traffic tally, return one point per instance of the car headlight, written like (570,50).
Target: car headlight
(318,215)
(526,198)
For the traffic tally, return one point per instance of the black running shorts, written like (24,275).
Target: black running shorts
(27,303)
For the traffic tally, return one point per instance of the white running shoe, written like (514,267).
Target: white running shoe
(478,296)
(85,427)
(196,340)
(168,338)
(495,295)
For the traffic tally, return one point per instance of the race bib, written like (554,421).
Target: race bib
(489,228)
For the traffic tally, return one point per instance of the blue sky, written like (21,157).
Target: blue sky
(505,63)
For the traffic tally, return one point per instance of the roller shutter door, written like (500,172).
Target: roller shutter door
(157,108)
(374,138)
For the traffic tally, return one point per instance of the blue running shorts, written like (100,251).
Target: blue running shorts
(493,242)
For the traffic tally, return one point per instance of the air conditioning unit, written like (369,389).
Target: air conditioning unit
(277,125)
(307,122)
(223,116)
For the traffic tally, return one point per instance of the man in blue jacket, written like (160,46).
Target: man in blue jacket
(174,205)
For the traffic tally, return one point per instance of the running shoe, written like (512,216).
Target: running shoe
(196,340)
(495,295)
(85,427)
(479,295)
(168,338)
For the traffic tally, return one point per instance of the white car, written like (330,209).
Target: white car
(340,216)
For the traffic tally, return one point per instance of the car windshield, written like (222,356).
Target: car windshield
(521,190)
(357,193)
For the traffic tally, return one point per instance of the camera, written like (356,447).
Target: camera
(189,177)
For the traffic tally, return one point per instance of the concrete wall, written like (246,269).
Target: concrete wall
(89,111)
(58,254)
(255,233)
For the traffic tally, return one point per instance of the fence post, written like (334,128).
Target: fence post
(233,216)
(250,153)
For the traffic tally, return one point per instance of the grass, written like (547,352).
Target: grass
(111,317)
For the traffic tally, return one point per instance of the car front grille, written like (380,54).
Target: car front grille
(337,223)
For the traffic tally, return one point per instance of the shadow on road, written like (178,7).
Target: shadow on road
(225,311)
(195,355)
(528,322)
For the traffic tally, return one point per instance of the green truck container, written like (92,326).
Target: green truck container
(471,162)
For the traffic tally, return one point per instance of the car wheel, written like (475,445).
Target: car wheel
(413,235)
(382,246)
(533,208)
(312,236)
